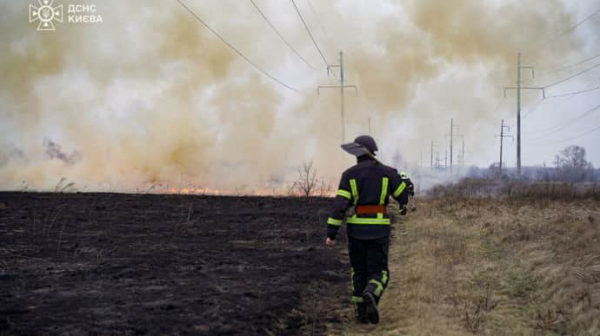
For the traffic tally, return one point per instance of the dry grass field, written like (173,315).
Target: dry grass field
(519,265)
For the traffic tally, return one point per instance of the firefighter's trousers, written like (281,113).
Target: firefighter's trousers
(369,261)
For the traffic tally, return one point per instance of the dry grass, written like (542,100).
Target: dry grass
(532,190)
(485,266)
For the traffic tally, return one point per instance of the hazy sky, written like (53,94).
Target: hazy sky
(552,124)
(150,95)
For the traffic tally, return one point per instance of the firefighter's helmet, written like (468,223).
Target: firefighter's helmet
(362,145)
(368,142)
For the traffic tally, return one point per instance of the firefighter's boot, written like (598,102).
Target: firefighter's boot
(371,308)
(361,313)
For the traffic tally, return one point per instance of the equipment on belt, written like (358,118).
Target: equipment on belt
(370,209)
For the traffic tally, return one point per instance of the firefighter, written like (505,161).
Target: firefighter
(366,187)
(410,187)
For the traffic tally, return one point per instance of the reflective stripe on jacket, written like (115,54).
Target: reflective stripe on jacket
(367,183)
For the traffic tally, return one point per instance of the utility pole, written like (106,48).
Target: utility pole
(431,155)
(462,153)
(452,135)
(446,162)
(519,87)
(502,136)
(342,86)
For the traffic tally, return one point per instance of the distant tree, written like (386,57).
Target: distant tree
(573,167)
(307,182)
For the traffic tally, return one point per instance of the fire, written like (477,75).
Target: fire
(196,191)
(221,192)
(191,189)
(245,192)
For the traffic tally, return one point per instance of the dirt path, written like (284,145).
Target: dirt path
(493,268)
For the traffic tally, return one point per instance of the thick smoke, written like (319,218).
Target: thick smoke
(152,97)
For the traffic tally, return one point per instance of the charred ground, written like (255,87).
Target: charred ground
(166,264)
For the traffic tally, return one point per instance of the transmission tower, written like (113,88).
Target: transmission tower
(342,86)
(519,87)
(502,136)
(452,136)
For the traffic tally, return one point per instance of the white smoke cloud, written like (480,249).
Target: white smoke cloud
(150,96)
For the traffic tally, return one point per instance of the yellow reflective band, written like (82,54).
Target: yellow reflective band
(357,299)
(384,277)
(344,193)
(352,279)
(354,190)
(400,189)
(334,222)
(384,188)
(379,287)
(368,221)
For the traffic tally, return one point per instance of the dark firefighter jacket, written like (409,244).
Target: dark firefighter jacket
(367,183)
(409,186)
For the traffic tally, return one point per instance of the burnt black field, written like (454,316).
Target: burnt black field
(85,263)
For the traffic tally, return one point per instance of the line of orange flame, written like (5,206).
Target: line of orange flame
(219,192)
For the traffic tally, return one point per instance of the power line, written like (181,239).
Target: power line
(570,96)
(584,133)
(310,34)
(281,37)
(236,50)
(570,29)
(558,96)
(572,76)
(573,93)
(569,66)
(569,123)
(533,108)
(321,26)
(553,128)
(575,137)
